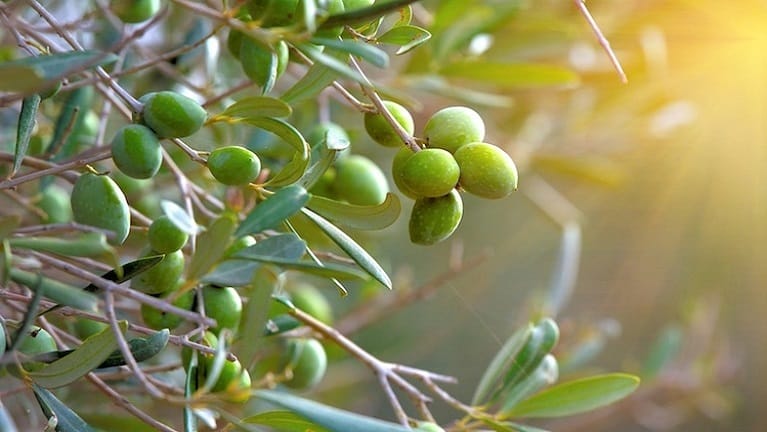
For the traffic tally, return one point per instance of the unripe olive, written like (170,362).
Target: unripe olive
(324,185)
(486,170)
(327,133)
(398,163)
(135,11)
(163,277)
(223,305)
(259,61)
(308,363)
(234,165)
(165,236)
(360,181)
(382,132)
(452,127)
(310,300)
(37,341)
(85,328)
(97,201)
(158,320)
(278,13)
(54,201)
(172,115)
(136,151)
(230,374)
(430,173)
(435,219)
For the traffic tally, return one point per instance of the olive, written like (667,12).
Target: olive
(158,320)
(382,132)
(135,11)
(452,127)
(163,277)
(223,305)
(55,203)
(234,165)
(431,173)
(136,151)
(310,300)
(434,219)
(308,363)
(360,181)
(486,170)
(172,115)
(97,201)
(165,236)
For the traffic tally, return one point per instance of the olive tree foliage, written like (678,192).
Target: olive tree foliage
(179,175)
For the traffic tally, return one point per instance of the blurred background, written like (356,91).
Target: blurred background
(663,181)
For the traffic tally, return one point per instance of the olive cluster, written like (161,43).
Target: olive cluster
(455,157)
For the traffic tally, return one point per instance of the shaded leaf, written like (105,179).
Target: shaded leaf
(79,362)
(24,129)
(439,85)
(354,250)
(363,50)
(85,245)
(255,315)
(232,272)
(256,106)
(665,348)
(272,211)
(312,83)
(407,37)
(359,217)
(291,172)
(211,245)
(59,292)
(577,396)
(338,66)
(141,349)
(491,379)
(288,246)
(28,74)
(67,420)
(333,419)
(284,421)
(361,15)
(511,75)
(284,130)
(545,374)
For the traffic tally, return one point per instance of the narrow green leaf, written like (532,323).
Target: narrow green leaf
(272,211)
(364,14)
(665,348)
(338,66)
(59,292)
(405,16)
(211,246)
(180,217)
(232,272)
(85,245)
(348,245)
(283,421)
(8,225)
(255,315)
(82,360)
(511,75)
(288,246)
(281,324)
(239,272)
(141,348)
(65,141)
(407,37)
(577,396)
(257,106)
(323,270)
(190,386)
(363,50)
(21,79)
(67,420)
(31,74)
(440,86)
(502,426)
(291,172)
(542,340)
(491,379)
(333,419)
(128,271)
(359,217)
(284,130)
(26,125)
(545,374)
(317,78)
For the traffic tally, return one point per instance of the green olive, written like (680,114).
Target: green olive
(37,341)
(54,201)
(97,201)
(234,165)
(136,151)
(324,185)
(163,277)
(486,170)
(262,64)
(360,181)
(435,219)
(452,127)
(135,11)
(430,173)
(311,300)
(172,115)
(274,13)
(397,165)
(329,134)
(382,132)
(223,305)
(165,236)
(158,320)
(308,363)
(85,328)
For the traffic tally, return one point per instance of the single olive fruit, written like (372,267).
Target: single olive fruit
(486,170)
(172,115)
(230,374)
(97,201)
(234,165)
(311,300)
(360,181)
(262,64)
(208,339)
(273,13)
(382,132)
(163,277)
(136,151)
(324,185)
(165,236)
(158,320)
(452,127)
(135,11)
(435,219)
(330,135)
(54,201)
(223,305)
(396,171)
(37,341)
(85,328)
(428,427)
(308,363)
(430,173)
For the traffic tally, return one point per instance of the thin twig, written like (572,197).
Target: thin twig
(581,5)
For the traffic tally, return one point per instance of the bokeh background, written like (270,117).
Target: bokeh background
(665,180)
